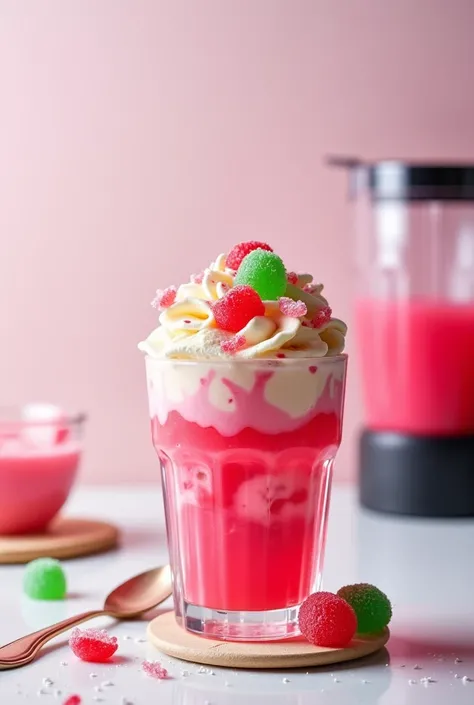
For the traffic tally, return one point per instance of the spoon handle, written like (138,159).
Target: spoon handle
(23,650)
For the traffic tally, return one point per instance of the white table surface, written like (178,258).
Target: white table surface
(424,566)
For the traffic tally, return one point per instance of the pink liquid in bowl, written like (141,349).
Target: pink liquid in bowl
(417,365)
(34,482)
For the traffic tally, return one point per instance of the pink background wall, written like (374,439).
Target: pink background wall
(139,138)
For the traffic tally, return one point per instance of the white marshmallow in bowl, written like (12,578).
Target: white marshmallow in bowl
(46,420)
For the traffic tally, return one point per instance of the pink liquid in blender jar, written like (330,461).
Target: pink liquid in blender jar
(416,359)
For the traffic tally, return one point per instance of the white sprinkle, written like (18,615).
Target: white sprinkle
(211,673)
(47,682)
(416,667)
(92,675)
(63,663)
(202,670)
(365,681)
(127,636)
(427,681)
(227,684)
(336,680)
(285,680)
(139,640)
(107,684)
(456,675)
(125,701)
(98,689)
(466,679)
(41,692)
(458,660)
(57,693)
(411,682)
(185,674)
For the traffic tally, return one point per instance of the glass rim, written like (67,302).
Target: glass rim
(10,415)
(272,361)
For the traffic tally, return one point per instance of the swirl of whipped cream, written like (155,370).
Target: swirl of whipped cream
(216,281)
(188,329)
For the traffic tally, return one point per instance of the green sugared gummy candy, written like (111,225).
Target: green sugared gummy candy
(44,579)
(372,607)
(264,272)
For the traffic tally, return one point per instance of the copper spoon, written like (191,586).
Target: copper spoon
(134,597)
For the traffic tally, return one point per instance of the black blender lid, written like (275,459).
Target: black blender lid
(392,179)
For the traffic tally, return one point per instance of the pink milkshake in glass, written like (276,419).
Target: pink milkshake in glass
(246,384)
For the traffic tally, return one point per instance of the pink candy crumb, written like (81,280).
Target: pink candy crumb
(292,277)
(73,700)
(295,309)
(164,298)
(232,345)
(322,317)
(154,669)
(197,278)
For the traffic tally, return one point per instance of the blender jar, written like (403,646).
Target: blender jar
(415,334)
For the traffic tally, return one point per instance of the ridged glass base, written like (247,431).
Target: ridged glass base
(242,625)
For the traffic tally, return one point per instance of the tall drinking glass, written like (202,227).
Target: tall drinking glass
(246,449)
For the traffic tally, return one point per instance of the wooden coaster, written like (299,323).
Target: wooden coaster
(65,538)
(171,639)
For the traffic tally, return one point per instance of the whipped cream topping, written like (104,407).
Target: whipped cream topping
(188,330)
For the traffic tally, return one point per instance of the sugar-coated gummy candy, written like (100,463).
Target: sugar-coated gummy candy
(265,272)
(237,307)
(327,620)
(164,298)
(44,579)
(93,645)
(154,669)
(237,253)
(294,309)
(73,700)
(371,606)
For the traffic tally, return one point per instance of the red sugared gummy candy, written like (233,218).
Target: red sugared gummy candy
(237,253)
(73,700)
(237,308)
(295,309)
(94,645)
(327,620)
(233,344)
(154,669)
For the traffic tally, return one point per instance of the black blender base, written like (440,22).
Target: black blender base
(416,475)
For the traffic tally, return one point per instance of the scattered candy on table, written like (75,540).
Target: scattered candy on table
(327,620)
(372,607)
(44,579)
(154,669)
(265,272)
(93,645)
